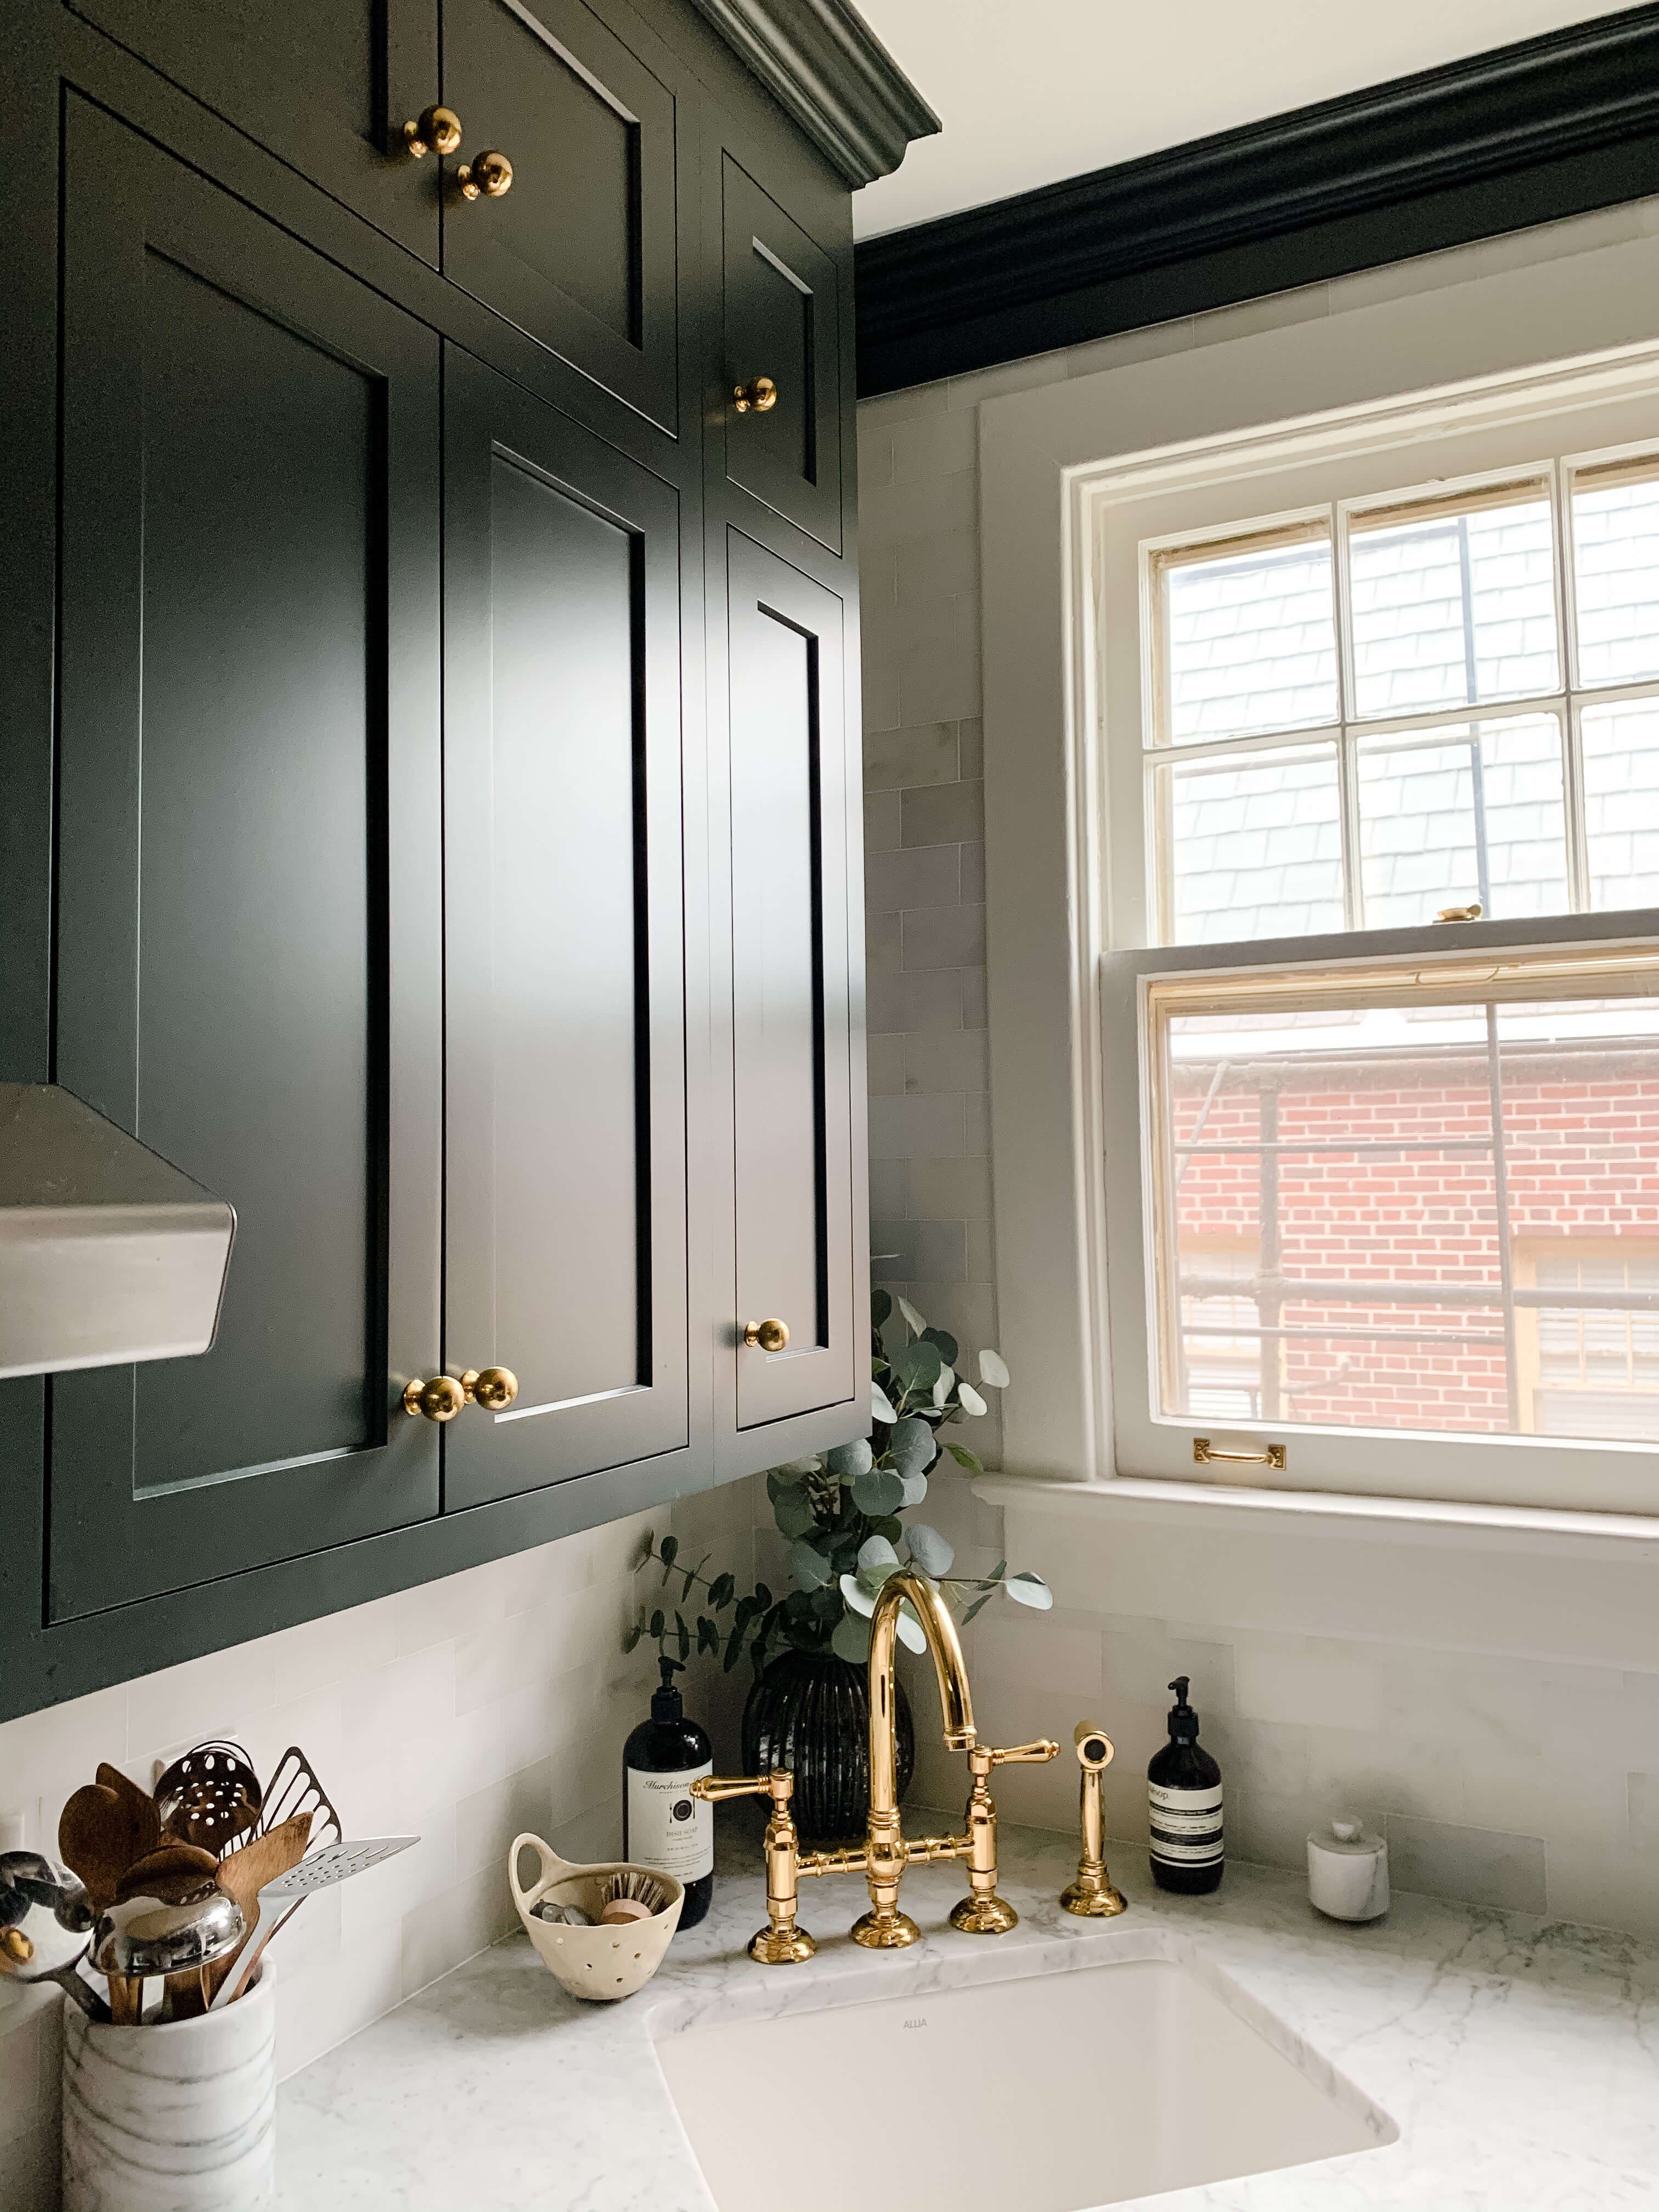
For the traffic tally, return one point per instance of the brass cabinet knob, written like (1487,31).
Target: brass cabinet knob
(440,1400)
(489,174)
(434,130)
(493,1387)
(769,1335)
(760,394)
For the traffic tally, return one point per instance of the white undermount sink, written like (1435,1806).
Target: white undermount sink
(1070,2087)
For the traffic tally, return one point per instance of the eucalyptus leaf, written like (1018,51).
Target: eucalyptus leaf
(910,1629)
(1030,1589)
(929,1549)
(915,1320)
(888,1525)
(877,1492)
(881,1304)
(709,1637)
(848,1460)
(850,1639)
(881,1406)
(668,1551)
(794,1512)
(809,1567)
(993,1369)
(856,1595)
(658,1626)
(948,1347)
(915,1486)
(797,1470)
(918,1366)
(722,1591)
(911,1447)
(875,1552)
(968,1397)
(943,1384)
(982,1600)
(964,1457)
(684,1636)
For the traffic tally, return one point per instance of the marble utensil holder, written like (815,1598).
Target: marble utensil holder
(176,2116)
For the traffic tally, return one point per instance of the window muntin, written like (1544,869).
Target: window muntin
(1419,1198)
(1297,668)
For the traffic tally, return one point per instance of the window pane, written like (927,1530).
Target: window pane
(1411,1212)
(1471,812)
(1251,643)
(1621,802)
(1615,538)
(1453,608)
(1254,845)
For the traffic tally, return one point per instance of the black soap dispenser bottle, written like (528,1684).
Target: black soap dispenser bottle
(664,1825)
(1183,1789)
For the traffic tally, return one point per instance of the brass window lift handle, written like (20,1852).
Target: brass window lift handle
(1204,1451)
(768,1335)
(489,175)
(434,130)
(758,397)
(442,1397)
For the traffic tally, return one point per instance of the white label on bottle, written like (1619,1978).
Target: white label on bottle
(668,1828)
(1186,1825)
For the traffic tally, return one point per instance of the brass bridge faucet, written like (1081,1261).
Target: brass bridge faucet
(886,1850)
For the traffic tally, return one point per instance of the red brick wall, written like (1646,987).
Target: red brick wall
(1583,1161)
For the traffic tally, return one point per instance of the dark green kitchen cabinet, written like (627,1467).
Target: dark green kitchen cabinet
(326,85)
(248,954)
(431,776)
(566,1121)
(795,1113)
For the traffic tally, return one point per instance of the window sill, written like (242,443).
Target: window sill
(1330,1513)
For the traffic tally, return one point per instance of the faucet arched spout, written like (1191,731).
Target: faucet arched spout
(956,1703)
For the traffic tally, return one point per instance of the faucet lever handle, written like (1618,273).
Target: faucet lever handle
(778,1785)
(1027,1754)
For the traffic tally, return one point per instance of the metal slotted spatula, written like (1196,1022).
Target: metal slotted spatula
(281,1898)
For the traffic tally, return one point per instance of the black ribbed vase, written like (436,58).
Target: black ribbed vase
(810,1711)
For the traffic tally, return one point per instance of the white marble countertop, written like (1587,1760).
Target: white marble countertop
(1519,2058)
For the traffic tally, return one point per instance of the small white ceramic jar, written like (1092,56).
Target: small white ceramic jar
(176,2116)
(1347,1872)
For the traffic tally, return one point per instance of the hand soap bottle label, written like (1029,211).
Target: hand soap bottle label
(1186,1825)
(668,1828)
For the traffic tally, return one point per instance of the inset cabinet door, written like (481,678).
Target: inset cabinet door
(249,872)
(566,1128)
(578,249)
(325,85)
(782,325)
(794,1112)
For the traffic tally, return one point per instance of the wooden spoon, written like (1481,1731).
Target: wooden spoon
(94,1841)
(245,1873)
(145,1822)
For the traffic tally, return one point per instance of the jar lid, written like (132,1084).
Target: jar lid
(1347,1839)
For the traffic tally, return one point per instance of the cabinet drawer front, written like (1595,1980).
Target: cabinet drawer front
(566,1121)
(247,947)
(791,998)
(781,322)
(325,85)
(580,250)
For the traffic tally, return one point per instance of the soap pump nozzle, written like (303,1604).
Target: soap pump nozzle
(1183,1721)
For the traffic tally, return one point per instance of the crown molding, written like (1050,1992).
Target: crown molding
(1525,134)
(826,70)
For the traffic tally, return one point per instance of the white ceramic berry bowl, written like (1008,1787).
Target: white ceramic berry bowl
(601,1963)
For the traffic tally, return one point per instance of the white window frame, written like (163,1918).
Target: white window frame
(1069,1190)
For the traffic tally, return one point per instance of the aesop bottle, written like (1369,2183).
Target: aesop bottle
(1183,1790)
(664,1825)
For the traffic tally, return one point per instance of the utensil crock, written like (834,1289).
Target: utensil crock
(175,2116)
(600,1963)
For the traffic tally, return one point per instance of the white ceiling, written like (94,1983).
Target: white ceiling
(1030,91)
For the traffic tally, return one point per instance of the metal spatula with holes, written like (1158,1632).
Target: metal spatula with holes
(278,1899)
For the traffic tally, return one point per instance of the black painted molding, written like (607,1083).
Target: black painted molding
(1525,134)
(826,68)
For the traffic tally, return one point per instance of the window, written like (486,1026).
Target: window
(1387,1191)
(1405,703)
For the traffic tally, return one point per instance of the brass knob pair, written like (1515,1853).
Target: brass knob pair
(438,130)
(441,1398)
(768,1335)
(759,395)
